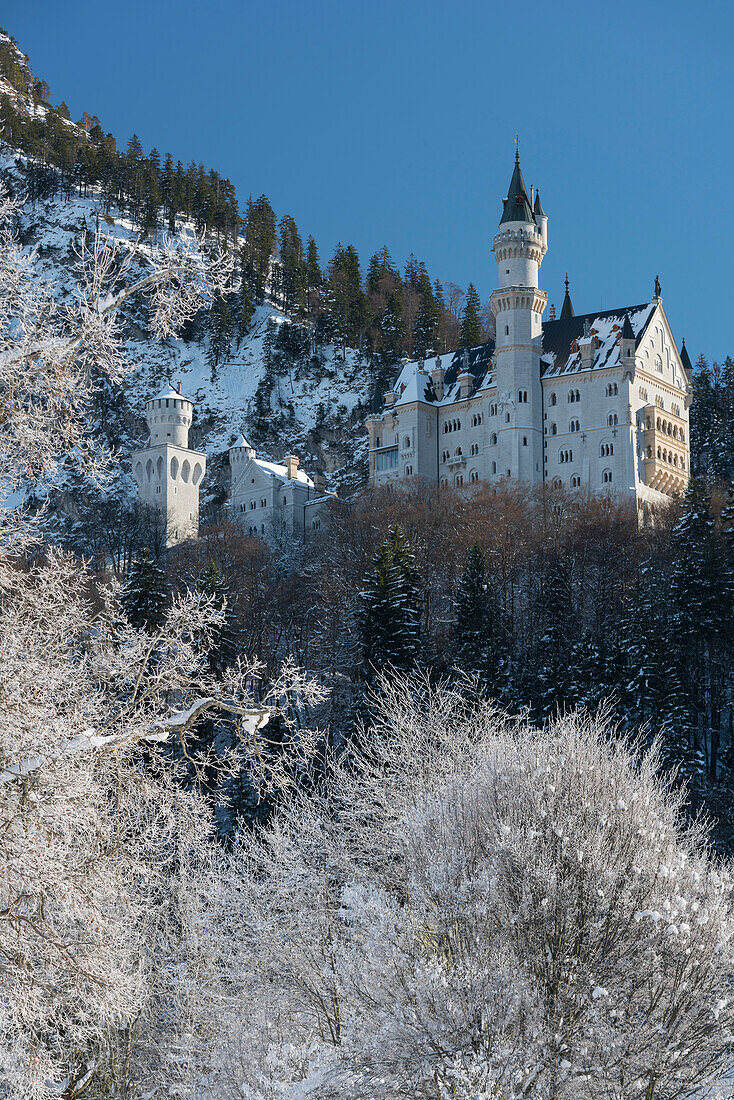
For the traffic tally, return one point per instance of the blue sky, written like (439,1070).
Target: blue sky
(393,122)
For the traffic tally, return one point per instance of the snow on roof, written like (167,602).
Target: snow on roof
(170,392)
(282,471)
(414,381)
(560,356)
(241,442)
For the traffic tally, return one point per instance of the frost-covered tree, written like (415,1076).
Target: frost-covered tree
(96,837)
(477,909)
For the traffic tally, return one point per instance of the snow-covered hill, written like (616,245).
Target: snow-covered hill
(314,405)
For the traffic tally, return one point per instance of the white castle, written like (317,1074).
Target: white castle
(267,499)
(598,401)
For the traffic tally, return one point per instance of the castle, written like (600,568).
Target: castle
(269,500)
(597,401)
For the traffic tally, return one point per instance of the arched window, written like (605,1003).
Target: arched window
(606,476)
(575,481)
(494,467)
(574,426)
(612,420)
(459,480)
(473,476)
(475,448)
(553,399)
(522,397)
(492,410)
(554,429)
(524,441)
(444,483)
(406,443)
(493,439)
(408,471)
(557,483)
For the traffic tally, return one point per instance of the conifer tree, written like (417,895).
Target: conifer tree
(390,617)
(701,588)
(471,324)
(143,596)
(224,645)
(478,631)
(220,331)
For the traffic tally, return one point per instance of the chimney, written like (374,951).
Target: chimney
(291,462)
(390,398)
(466,380)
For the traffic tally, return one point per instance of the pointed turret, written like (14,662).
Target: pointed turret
(538,207)
(541,218)
(627,342)
(567,309)
(686,360)
(517,203)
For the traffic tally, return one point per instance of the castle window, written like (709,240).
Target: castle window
(522,397)
(408,471)
(524,441)
(285,501)
(459,480)
(473,476)
(606,477)
(574,426)
(253,504)
(493,439)
(444,483)
(492,410)
(377,441)
(494,467)
(387,460)
(475,448)
(554,429)
(612,420)
(575,481)
(457,452)
(406,443)
(553,399)
(557,483)
(263,502)
(507,330)
(507,418)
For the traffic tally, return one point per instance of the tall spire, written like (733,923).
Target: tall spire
(567,310)
(538,207)
(517,204)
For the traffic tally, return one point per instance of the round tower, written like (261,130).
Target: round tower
(240,453)
(169,418)
(519,247)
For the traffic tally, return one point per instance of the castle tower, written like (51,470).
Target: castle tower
(168,473)
(519,247)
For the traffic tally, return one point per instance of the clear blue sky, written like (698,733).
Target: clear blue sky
(393,121)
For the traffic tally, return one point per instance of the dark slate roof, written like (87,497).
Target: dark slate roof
(538,207)
(414,381)
(558,356)
(685,358)
(567,309)
(517,203)
(558,336)
(627,330)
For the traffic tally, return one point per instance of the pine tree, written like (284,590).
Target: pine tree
(554,645)
(471,325)
(479,635)
(220,331)
(390,617)
(701,590)
(224,645)
(143,596)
